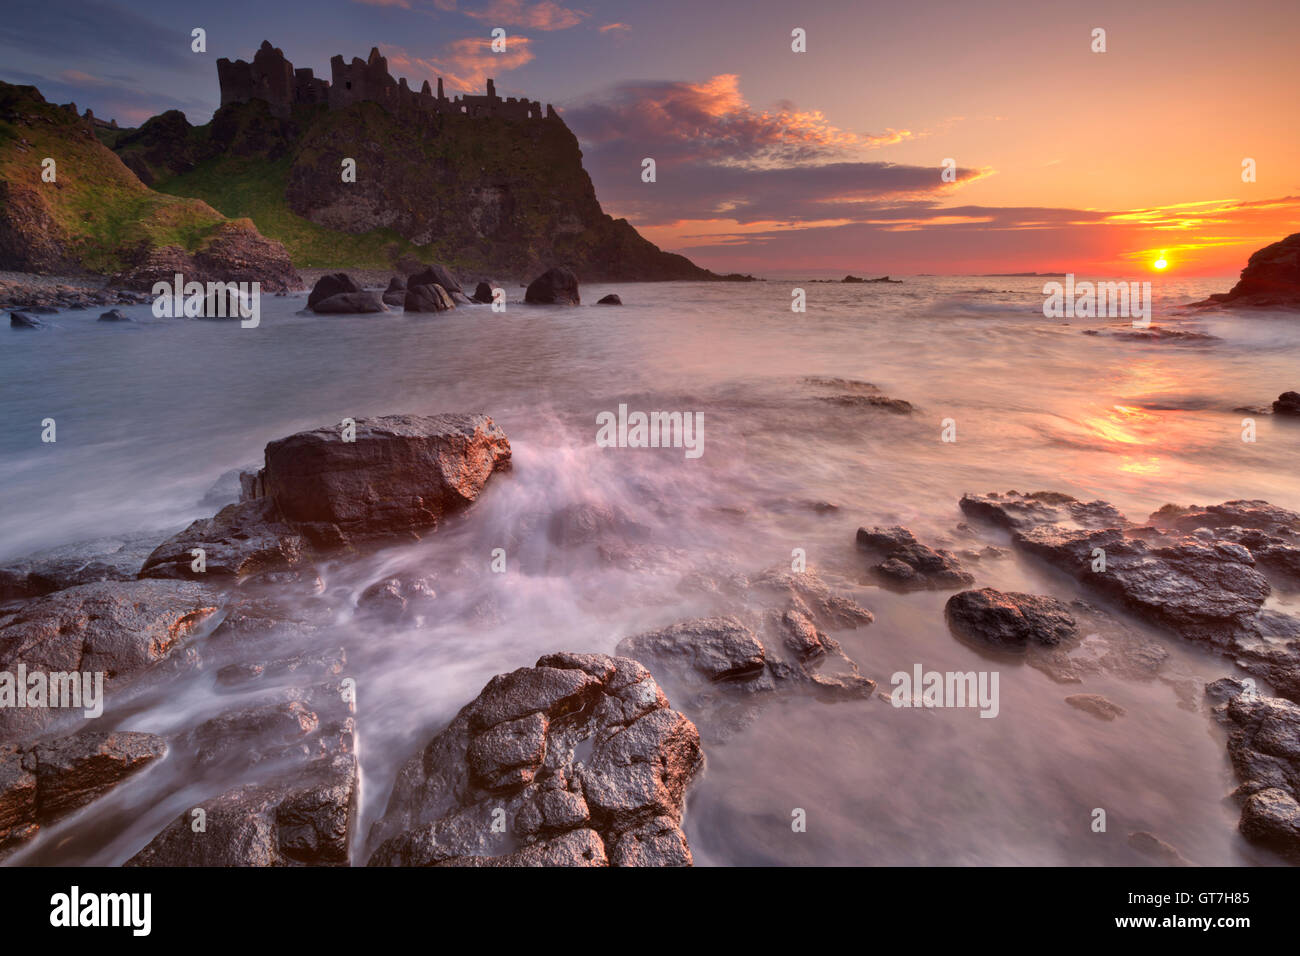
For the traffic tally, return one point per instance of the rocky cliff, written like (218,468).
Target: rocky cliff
(480,183)
(69,204)
(1271,278)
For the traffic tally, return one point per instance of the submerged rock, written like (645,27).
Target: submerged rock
(611,299)
(558,286)
(578,760)
(115,315)
(23,320)
(483,293)
(1096,705)
(909,565)
(1009,620)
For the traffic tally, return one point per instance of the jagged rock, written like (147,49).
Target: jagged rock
(910,565)
(351,303)
(1264,746)
(22,320)
(558,286)
(244,673)
(1009,620)
(327,286)
(1201,590)
(47,781)
(427,297)
(1015,510)
(396,480)
(241,540)
(1096,705)
(515,748)
(1288,403)
(115,315)
(611,299)
(1271,278)
(117,628)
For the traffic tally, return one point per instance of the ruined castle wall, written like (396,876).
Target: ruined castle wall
(272,78)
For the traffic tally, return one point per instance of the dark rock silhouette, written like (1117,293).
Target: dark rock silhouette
(1271,278)
(558,286)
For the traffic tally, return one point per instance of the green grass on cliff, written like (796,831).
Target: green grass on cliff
(254,187)
(103,212)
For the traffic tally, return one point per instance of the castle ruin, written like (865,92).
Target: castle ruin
(272,78)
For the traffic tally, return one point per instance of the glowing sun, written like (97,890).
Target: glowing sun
(1160,264)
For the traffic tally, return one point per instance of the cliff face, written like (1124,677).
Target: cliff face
(94,214)
(1271,277)
(482,183)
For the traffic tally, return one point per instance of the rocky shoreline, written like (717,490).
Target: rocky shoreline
(580,759)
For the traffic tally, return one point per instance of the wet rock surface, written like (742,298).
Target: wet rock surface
(117,628)
(1197,571)
(578,760)
(723,668)
(397,479)
(1015,510)
(241,540)
(86,562)
(301,742)
(1264,746)
(41,783)
(909,565)
(1009,620)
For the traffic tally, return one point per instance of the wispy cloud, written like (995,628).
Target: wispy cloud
(464,64)
(546,15)
(622,27)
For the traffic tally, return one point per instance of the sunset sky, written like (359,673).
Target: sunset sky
(775,162)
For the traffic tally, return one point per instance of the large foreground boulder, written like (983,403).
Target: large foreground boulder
(116,628)
(577,761)
(399,476)
(558,286)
